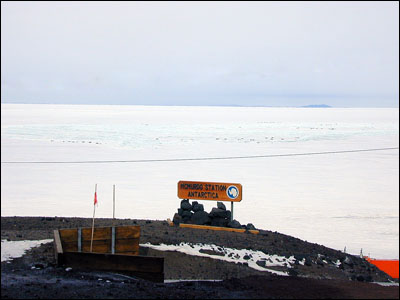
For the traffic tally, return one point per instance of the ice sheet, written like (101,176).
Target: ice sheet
(338,200)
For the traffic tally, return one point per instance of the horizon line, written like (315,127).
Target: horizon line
(212,105)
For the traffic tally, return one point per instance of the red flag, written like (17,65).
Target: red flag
(95,198)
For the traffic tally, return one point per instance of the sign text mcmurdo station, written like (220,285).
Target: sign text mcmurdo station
(210,191)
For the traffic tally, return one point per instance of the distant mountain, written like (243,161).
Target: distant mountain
(317,105)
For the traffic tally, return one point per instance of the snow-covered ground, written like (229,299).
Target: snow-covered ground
(231,255)
(338,200)
(15,249)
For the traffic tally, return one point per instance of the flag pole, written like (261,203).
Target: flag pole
(94,210)
(113,220)
(114,201)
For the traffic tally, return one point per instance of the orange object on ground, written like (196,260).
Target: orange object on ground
(389,266)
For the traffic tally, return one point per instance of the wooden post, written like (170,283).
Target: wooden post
(94,210)
(79,239)
(113,240)
(231,210)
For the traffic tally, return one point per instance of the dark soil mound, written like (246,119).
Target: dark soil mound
(35,275)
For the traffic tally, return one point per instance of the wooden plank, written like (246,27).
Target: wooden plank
(100,233)
(127,245)
(211,227)
(254,231)
(57,242)
(216,228)
(99,246)
(170,223)
(70,246)
(153,267)
(127,239)
(58,250)
(130,252)
(127,232)
(69,235)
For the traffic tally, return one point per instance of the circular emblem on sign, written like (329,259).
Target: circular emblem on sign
(232,192)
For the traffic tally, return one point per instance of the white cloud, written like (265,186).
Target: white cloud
(174,48)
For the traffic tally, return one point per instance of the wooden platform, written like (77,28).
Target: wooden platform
(114,249)
(217,228)
(126,239)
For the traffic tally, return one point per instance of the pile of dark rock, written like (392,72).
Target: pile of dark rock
(193,213)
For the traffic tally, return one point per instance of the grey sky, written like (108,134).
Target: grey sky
(201,53)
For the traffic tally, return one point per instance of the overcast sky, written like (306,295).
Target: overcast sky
(201,53)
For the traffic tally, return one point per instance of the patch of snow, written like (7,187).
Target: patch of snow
(337,263)
(230,255)
(15,249)
(186,280)
(387,283)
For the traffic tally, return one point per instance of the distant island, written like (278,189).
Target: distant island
(316,105)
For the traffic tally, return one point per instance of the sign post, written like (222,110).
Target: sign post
(231,210)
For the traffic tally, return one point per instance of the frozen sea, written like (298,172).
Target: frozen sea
(339,200)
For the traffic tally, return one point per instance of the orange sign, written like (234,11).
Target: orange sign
(210,191)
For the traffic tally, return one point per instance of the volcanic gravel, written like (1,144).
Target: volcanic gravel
(35,275)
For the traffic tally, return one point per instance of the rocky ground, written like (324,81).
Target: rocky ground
(35,275)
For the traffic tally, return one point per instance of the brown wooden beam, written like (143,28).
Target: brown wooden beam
(147,267)
(183,225)
(58,249)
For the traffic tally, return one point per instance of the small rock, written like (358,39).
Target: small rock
(197,207)
(348,261)
(39,266)
(320,262)
(308,262)
(261,263)
(234,224)
(250,227)
(219,213)
(220,205)
(200,218)
(185,205)
(177,219)
(187,214)
(219,222)
(299,256)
